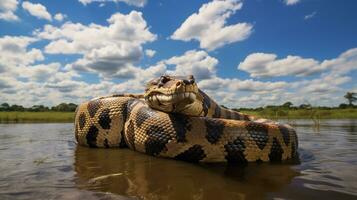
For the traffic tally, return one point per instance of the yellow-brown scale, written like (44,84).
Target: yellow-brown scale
(113,121)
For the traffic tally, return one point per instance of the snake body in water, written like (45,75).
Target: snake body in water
(175,119)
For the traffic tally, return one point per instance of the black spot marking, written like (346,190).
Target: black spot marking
(122,143)
(293,150)
(92,136)
(130,105)
(276,151)
(259,133)
(181,125)
(217,112)
(93,107)
(82,120)
(130,135)
(206,104)
(285,133)
(143,114)
(104,119)
(106,143)
(294,146)
(214,129)
(193,154)
(156,141)
(235,151)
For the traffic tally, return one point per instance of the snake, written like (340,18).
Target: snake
(176,119)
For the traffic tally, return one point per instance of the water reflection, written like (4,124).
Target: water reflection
(128,173)
(41,161)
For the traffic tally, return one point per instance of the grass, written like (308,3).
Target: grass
(314,114)
(23,117)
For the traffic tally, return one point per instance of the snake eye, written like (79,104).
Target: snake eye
(163,80)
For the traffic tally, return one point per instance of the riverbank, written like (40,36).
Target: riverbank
(351,113)
(27,117)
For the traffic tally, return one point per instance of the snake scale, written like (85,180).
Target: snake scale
(175,119)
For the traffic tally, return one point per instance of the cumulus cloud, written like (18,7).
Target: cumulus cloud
(198,63)
(114,51)
(150,53)
(268,65)
(60,17)
(139,3)
(7,9)
(208,26)
(37,10)
(15,53)
(291,2)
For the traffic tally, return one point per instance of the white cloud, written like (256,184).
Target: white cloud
(60,17)
(37,10)
(7,9)
(114,51)
(267,65)
(14,52)
(208,26)
(311,15)
(291,2)
(198,63)
(139,3)
(150,53)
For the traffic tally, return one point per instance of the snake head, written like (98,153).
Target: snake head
(171,93)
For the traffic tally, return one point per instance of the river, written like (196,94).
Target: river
(42,161)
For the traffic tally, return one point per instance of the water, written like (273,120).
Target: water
(41,161)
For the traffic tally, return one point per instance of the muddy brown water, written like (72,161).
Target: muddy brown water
(42,161)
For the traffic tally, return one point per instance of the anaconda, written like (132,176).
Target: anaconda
(179,121)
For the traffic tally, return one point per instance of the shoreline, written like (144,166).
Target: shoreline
(68,117)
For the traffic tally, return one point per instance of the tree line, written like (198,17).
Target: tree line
(71,107)
(62,107)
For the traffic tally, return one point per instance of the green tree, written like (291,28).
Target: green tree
(4,107)
(350,96)
(287,104)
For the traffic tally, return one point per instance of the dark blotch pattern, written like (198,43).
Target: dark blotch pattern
(285,133)
(130,132)
(181,125)
(93,107)
(193,154)
(214,129)
(122,143)
(294,145)
(217,112)
(235,151)
(104,119)
(259,133)
(82,120)
(106,144)
(276,151)
(156,141)
(92,136)
(143,114)
(206,104)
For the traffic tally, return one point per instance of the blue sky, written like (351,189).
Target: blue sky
(243,53)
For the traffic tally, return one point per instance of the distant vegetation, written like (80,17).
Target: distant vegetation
(63,107)
(64,111)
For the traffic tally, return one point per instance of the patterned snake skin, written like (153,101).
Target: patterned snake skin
(179,121)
